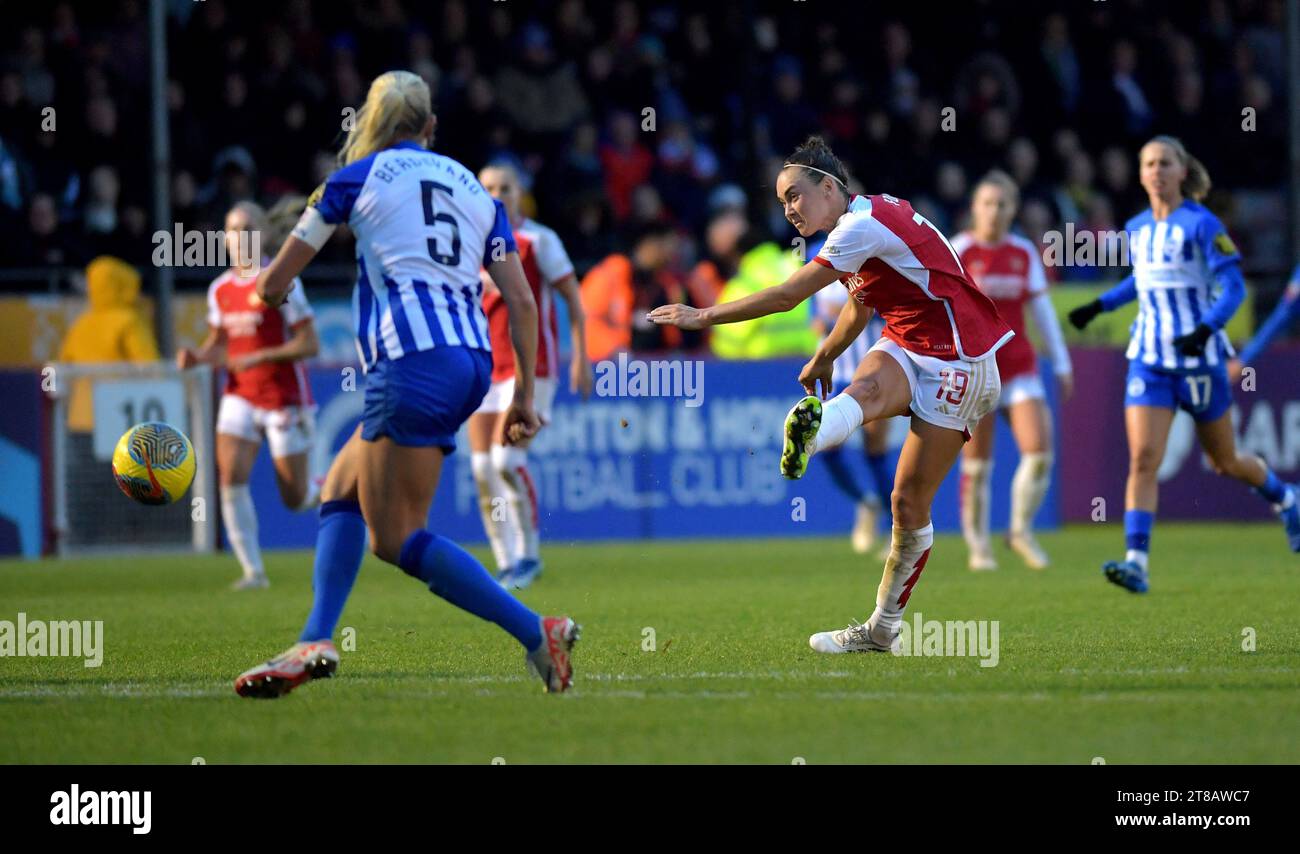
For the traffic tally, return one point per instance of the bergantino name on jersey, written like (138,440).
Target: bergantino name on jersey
(133,809)
(389,169)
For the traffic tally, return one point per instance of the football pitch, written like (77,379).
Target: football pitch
(691,653)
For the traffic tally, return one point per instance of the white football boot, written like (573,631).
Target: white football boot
(1029,550)
(980,558)
(855,638)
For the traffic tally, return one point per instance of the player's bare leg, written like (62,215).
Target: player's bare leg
(511,465)
(1221,447)
(977,494)
(875,447)
(879,390)
(1031,425)
(314,656)
(235,458)
(493,498)
(396,487)
(1147,428)
(928,454)
(292,477)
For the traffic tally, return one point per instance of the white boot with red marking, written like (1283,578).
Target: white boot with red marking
(551,660)
(300,663)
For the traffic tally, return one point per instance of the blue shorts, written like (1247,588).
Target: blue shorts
(1205,394)
(422,398)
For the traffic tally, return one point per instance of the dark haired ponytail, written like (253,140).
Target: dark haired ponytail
(820,162)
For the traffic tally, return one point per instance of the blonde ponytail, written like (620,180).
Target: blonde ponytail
(398,104)
(1196,186)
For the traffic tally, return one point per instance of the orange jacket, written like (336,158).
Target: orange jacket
(608,301)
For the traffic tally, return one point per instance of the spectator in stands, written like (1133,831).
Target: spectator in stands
(113,328)
(619,291)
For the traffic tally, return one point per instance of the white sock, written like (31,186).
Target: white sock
(976,496)
(241,528)
(908,554)
(1028,489)
(494,507)
(1137,556)
(841,415)
(512,465)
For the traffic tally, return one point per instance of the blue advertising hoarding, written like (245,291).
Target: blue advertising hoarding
(626,466)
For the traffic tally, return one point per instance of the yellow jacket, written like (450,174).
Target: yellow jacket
(787,334)
(112,329)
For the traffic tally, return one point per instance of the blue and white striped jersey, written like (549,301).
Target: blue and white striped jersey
(828,302)
(1174,266)
(424,227)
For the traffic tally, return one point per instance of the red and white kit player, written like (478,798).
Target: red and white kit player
(934,362)
(1008,269)
(501,470)
(266,390)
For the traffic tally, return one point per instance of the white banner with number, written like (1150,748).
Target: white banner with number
(121,404)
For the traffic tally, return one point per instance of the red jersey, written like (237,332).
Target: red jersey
(545,262)
(1010,273)
(250,325)
(899,264)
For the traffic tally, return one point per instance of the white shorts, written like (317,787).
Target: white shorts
(1021,388)
(288,431)
(502,392)
(954,394)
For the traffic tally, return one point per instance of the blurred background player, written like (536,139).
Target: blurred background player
(424,228)
(934,361)
(828,303)
(1008,269)
(1178,352)
(507,497)
(266,394)
(1283,316)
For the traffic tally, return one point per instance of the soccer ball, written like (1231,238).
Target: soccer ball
(153,463)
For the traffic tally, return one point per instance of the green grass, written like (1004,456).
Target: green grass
(1085,668)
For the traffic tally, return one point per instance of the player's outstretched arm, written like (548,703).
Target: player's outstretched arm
(1124,292)
(1286,313)
(805,282)
(852,319)
(580,378)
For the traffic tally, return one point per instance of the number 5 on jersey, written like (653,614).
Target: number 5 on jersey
(451,259)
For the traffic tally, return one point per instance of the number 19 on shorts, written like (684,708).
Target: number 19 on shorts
(952,385)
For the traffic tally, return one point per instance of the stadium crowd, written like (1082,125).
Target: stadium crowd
(648,129)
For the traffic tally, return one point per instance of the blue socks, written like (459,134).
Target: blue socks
(841,475)
(1137,535)
(340,546)
(1273,490)
(457,576)
(881,475)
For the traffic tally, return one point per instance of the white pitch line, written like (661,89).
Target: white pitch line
(205,689)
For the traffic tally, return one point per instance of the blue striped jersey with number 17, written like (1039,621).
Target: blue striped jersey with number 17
(1174,262)
(424,228)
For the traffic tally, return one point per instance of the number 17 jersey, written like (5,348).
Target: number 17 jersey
(424,227)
